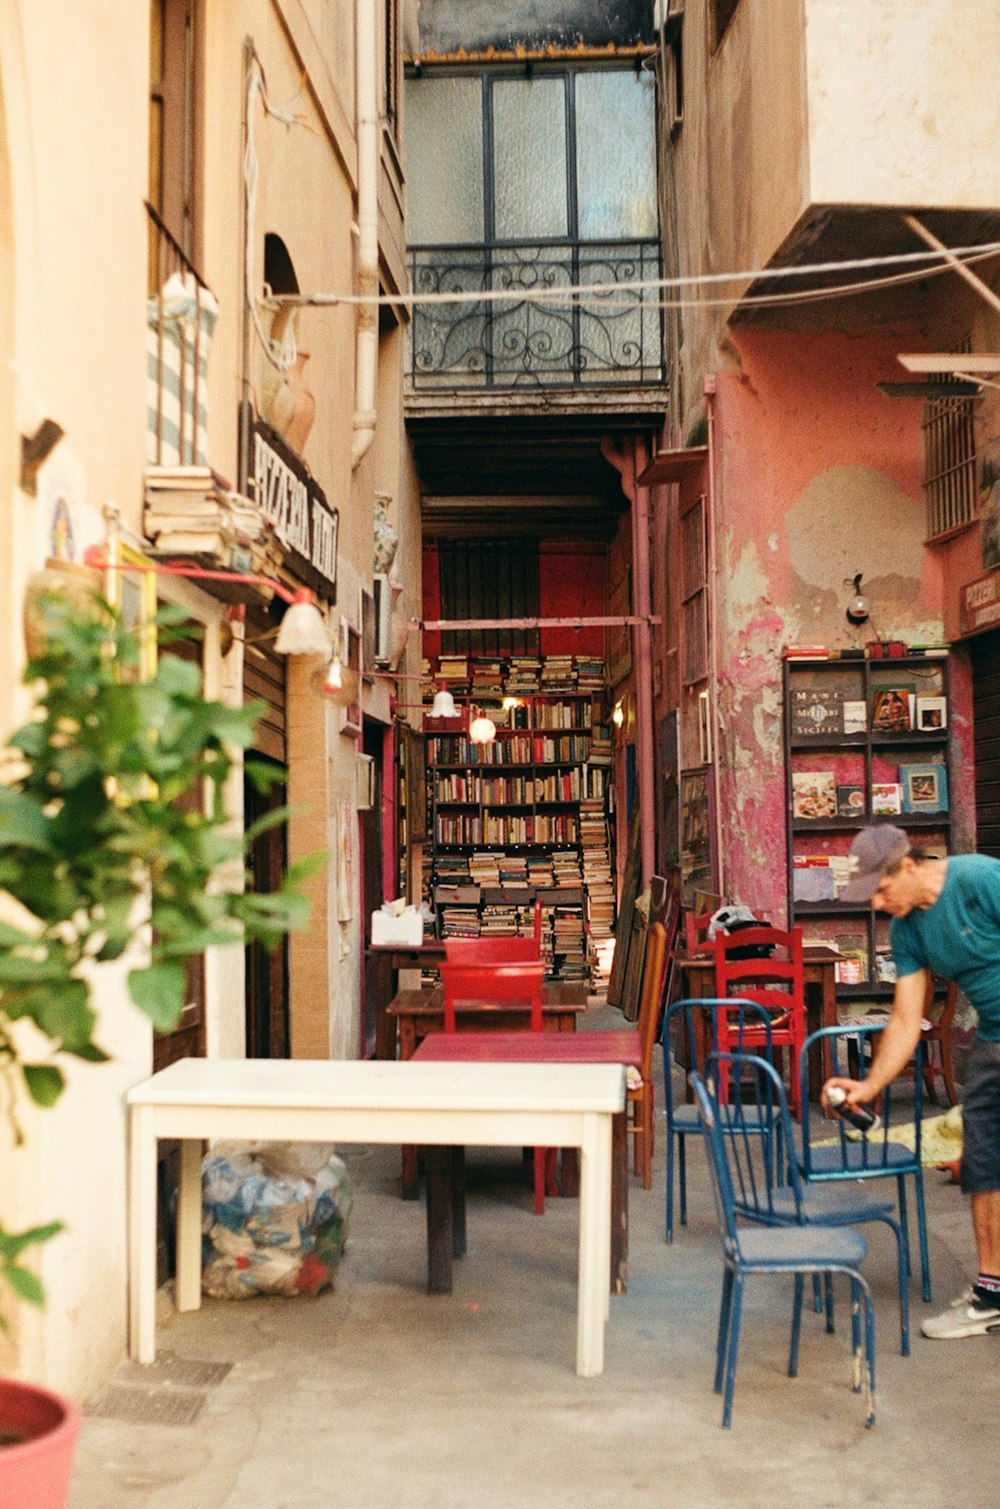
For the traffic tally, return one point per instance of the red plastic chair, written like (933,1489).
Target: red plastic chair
(515,983)
(776,982)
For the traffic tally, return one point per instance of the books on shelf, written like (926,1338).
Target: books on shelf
(887,798)
(816,711)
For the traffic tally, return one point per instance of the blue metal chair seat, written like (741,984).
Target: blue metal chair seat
(743,1184)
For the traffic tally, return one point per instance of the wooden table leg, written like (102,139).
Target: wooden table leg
(440,1232)
(619,1203)
(458,1245)
(595,1245)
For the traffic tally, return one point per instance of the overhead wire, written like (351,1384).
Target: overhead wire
(926,262)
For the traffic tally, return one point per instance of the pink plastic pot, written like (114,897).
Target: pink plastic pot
(35,1469)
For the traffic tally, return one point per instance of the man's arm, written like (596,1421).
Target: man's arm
(896,1043)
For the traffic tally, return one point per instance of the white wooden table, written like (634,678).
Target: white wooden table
(313,1100)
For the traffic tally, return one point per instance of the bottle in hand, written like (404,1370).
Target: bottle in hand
(858,1116)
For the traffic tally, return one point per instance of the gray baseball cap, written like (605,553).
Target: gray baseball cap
(874,850)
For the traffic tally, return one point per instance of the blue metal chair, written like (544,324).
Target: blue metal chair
(702,1024)
(796,1248)
(757,1095)
(847,1051)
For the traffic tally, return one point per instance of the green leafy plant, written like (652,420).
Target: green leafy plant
(112,825)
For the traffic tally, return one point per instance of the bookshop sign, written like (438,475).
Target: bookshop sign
(293,502)
(979,604)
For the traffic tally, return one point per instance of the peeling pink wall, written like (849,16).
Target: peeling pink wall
(817,478)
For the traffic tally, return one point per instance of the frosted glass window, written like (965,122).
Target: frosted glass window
(529,158)
(615,155)
(444,160)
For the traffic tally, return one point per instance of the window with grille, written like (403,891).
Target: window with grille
(489,579)
(950,483)
(694,593)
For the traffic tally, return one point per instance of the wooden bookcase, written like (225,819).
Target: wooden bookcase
(524,817)
(860,736)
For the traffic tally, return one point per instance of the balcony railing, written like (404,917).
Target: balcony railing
(180,316)
(538,338)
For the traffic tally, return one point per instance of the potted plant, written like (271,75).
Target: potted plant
(97,851)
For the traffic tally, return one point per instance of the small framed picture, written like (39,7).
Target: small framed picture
(925,788)
(814,794)
(887,798)
(932,714)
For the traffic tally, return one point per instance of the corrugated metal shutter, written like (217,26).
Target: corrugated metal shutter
(985,650)
(264,678)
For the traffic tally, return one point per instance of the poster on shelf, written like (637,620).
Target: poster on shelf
(887,798)
(891,710)
(814,794)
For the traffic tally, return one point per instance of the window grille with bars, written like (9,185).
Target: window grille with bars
(950,485)
(694,593)
(489,579)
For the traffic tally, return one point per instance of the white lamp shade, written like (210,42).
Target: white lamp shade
(303,631)
(443,706)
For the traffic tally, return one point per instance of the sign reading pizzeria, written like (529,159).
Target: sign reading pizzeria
(293,502)
(979,605)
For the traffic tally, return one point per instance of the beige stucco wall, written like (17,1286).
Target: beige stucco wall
(73,176)
(902,102)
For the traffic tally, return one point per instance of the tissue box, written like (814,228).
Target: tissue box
(407,928)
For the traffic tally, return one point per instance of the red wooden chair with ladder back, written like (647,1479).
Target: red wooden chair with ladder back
(765,965)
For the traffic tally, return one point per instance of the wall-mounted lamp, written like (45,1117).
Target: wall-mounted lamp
(858,611)
(35,449)
(618,716)
(303,630)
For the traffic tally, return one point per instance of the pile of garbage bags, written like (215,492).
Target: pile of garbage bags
(274,1218)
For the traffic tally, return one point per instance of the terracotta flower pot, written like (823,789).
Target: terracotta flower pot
(38,1432)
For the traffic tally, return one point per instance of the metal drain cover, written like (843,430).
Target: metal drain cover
(170,1391)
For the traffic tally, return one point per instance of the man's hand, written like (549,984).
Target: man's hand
(856,1090)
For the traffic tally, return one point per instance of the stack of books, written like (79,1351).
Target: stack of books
(189,511)
(558,674)
(523,674)
(589,673)
(453,673)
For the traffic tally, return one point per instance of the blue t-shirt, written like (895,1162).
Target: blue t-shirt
(959,936)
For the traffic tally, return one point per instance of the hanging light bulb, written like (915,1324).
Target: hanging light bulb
(482,730)
(334,675)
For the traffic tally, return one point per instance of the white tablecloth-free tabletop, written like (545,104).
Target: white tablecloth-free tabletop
(318,1100)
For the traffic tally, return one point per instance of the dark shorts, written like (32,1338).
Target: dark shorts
(981,1119)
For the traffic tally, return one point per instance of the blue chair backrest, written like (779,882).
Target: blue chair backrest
(848,1048)
(694,1015)
(756,1128)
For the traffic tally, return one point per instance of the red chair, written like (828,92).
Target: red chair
(775,981)
(936,1028)
(515,983)
(696,939)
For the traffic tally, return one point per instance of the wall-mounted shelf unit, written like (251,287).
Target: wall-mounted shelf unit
(865,741)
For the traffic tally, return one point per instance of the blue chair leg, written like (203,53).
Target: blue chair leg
(732,1350)
(856,1301)
(925,1263)
(904,1219)
(725,1313)
(904,1290)
(682,1177)
(793,1350)
(670,1186)
(828,1297)
(870,1352)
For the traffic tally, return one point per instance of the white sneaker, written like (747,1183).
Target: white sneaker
(967,1315)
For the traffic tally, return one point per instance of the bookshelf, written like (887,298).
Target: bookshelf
(866,740)
(527,816)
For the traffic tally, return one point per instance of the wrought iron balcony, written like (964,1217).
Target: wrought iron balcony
(610,337)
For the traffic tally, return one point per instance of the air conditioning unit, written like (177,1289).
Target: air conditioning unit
(383,617)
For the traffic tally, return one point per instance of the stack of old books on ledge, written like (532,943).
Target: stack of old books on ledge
(190,511)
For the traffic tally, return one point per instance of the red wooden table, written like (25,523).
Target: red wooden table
(445,1175)
(418,1012)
